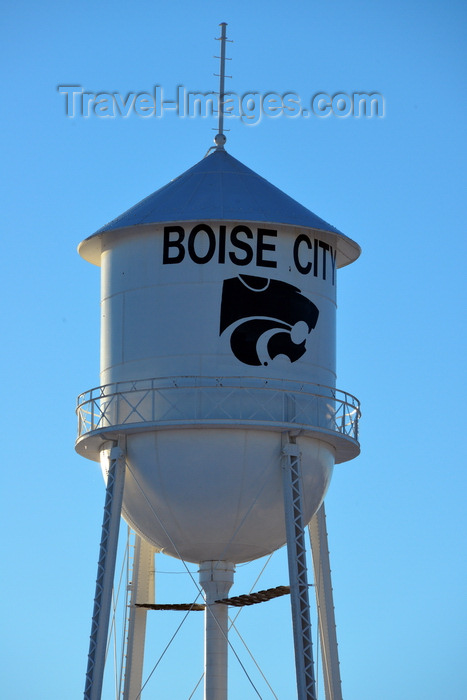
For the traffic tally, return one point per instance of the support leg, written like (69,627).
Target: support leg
(298,571)
(105,574)
(216,578)
(325,604)
(142,591)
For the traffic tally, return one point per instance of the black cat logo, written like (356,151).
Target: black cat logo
(267,318)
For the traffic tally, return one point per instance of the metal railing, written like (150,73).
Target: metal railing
(177,401)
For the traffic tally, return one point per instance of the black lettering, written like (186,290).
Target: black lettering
(222,230)
(261,246)
(201,259)
(315,258)
(242,245)
(325,247)
(333,264)
(177,244)
(302,238)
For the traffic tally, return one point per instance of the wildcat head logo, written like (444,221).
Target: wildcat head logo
(266,318)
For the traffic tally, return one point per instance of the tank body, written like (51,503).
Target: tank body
(243,303)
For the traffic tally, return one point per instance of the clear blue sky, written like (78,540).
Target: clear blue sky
(396,515)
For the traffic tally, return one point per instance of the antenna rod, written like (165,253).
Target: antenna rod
(220,138)
(222,79)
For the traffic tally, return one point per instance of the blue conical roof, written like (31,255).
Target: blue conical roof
(220,187)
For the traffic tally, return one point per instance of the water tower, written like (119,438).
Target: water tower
(217,421)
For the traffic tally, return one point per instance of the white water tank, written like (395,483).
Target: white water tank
(217,339)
